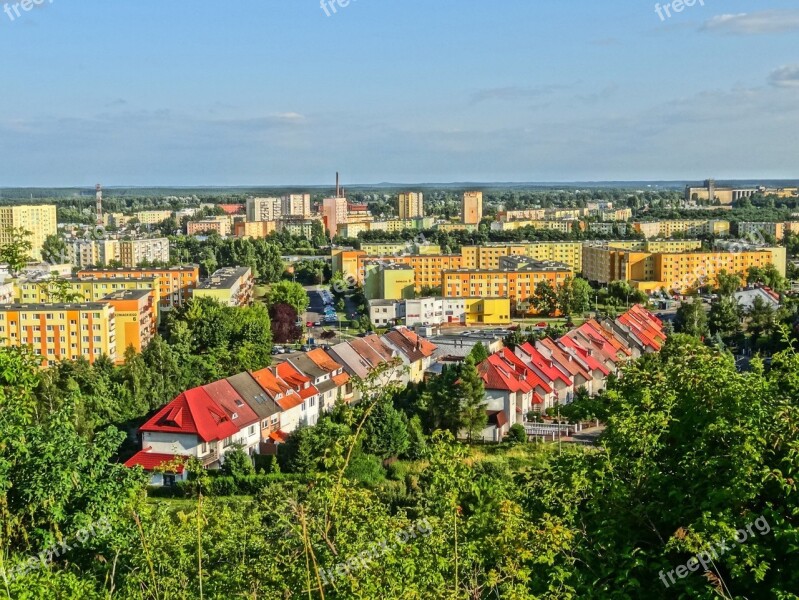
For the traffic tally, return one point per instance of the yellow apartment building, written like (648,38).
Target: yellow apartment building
(410,205)
(472,208)
(135,319)
(487,311)
(688,227)
(384,281)
(39,220)
(90,289)
(487,256)
(561,226)
(175,283)
(60,331)
(231,286)
(153,217)
(750,229)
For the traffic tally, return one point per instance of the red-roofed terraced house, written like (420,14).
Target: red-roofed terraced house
(562,385)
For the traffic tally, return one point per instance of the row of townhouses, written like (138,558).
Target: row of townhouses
(534,377)
(256,411)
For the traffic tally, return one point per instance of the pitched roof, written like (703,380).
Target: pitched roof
(290,375)
(521,367)
(254,395)
(323,360)
(307,366)
(411,345)
(193,412)
(564,359)
(353,361)
(585,353)
(282,392)
(543,364)
(228,398)
(150,461)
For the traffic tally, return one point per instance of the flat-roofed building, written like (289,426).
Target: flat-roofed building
(334,213)
(296,205)
(152,250)
(231,286)
(136,318)
(487,256)
(175,283)
(60,331)
(472,208)
(687,227)
(564,226)
(752,230)
(388,281)
(264,209)
(153,217)
(220,225)
(40,220)
(410,205)
(254,229)
(89,253)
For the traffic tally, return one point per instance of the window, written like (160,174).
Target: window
(227,442)
(251,430)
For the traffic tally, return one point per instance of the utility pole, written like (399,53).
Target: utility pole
(560,449)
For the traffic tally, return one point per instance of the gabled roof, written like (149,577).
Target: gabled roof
(414,347)
(290,375)
(228,398)
(282,392)
(150,461)
(323,360)
(254,395)
(498,375)
(271,383)
(307,367)
(520,366)
(543,364)
(353,361)
(565,360)
(193,412)
(585,353)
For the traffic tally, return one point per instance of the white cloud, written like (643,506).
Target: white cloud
(763,22)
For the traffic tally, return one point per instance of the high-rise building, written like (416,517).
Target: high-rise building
(39,220)
(411,205)
(472,209)
(296,205)
(264,209)
(334,211)
(135,319)
(134,252)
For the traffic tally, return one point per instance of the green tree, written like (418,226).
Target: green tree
(727,283)
(581,296)
(386,431)
(545,298)
(724,318)
(54,250)
(471,392)
(237,464)
(565,295)
(478,353)
(288,292)
(17,252)
(691,318)
(761,318)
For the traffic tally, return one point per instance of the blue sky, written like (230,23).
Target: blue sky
(270,92)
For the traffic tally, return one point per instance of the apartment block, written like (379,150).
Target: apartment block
(44,290)
(487,256)
(221,225)
(687,227)
(564,226)
(334,213)
(231,286)
(753,230)
(388,281)
(39,220)
(153,217)
(135,315)
(175,283)
(296,205)
(472,208)
(264,209)
(517,284)
(60,331)
(89,253)
(410,205)
(395,248)
(300,226)
(254,229)
(134,252)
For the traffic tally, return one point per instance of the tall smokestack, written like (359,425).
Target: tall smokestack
(338,190)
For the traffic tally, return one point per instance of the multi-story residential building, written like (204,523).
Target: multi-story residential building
(40,220)
(386,313)
(89,253)
(254,229)
(472,208)
(60,331)
(134,252)
(516,283)
(529,214)
(655,265)
(410,205)
(687,227)
(397,225)
(388,281)
(43,289)
(117,219)
(334,213)
(174,283)
(560,226)
(221,225)
(487,256)
(296,205)
(753,230)
(153,217)
(264,209)
(136,318)
(300,226)
(353,230)
(231,286)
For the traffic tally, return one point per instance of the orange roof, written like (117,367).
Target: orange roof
(323,360)
(289,401)
(341,379)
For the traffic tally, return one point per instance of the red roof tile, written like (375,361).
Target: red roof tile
(150,461)
(193,412)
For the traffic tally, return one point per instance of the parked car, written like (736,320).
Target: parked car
(309,324)
(317,324)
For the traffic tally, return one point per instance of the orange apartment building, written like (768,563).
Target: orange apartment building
(517,284)
(60,331)
(135,316)
(175,284)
